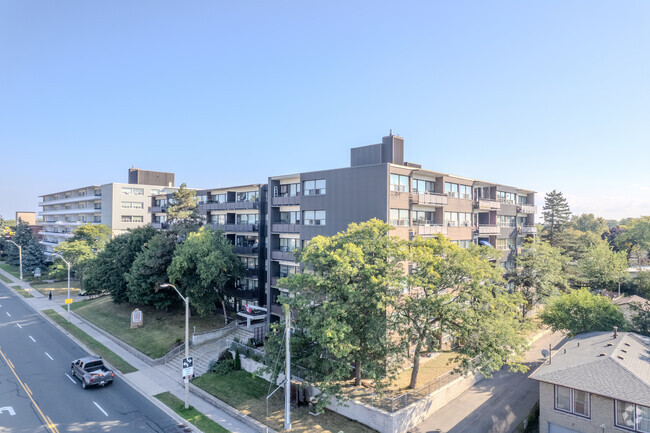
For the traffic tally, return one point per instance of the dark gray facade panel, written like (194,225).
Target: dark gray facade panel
(365,155)
(507,209)
(146,177)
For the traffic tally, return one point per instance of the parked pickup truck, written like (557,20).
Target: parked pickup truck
(91,371)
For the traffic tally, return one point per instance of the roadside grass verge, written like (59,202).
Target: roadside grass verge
(13,270)
(23,292)
(247,394)
(190,414)
(161,330)
(94,345)
(5,279)
(58,288)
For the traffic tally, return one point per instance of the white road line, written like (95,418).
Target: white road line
(19,325)
(71,379)
(100,408)
(32,339)
(48,355)
(8,313)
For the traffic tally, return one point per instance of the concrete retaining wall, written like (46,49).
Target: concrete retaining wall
(212,335)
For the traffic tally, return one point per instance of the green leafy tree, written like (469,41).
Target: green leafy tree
(108,270)
(32,252)
(80,256)
(581,311)
(640,319)
(540,273)
(341,304)
(603,268)
(557,216)
(642,283)
(183,212)
(454,291)
(205,268)
(95,235)
(149,271)
(589,223)
(635,239)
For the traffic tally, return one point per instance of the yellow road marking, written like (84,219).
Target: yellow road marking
(48,422)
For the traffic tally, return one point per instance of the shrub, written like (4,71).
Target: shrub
(237,365)
(222,368)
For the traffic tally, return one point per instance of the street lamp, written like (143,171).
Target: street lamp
(185,299)
(20,260)
(67,263)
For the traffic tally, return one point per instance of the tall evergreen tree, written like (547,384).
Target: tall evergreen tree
(557,216)
(183,212)
(32,251)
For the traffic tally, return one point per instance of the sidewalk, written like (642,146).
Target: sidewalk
(148,380)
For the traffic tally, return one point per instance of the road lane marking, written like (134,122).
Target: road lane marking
(32,339)
(48,355)
(29,391)
(19,325)
(48,422)
(71,378)
(8,409)
(8,313)
(100,408)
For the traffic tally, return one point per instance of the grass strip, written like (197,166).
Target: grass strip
(94,345)
(13,270)
(5,279)
(23,292)
(191,414)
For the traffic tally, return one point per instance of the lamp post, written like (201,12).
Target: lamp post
(67,263)
(20,261)
(185,299)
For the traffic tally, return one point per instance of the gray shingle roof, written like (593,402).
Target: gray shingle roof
(623,372)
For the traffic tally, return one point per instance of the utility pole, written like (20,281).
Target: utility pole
(287,370)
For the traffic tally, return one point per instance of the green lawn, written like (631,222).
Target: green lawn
(58,287)
(190,414)
(161,330)
(23,292)
(5,279)
(94,345)
(13,270)
(248,394)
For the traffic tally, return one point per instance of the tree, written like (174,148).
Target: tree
(589,223)
(32,252)
(79,254)
(556,214)
(149,271)
(540,273)
(95,235)
(642,283)
(341,305)
(581,311)
(453,291)
(611,235)
(635,239)
(640,319)
(603,268)
(205,268)
(183,212)
(108,270)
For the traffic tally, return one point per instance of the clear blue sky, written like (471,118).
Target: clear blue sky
(540,95)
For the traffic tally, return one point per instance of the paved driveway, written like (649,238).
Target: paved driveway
(494,405)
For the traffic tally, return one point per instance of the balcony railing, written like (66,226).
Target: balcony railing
(157,209)
(235,227)
(527,208)
(230,205)
(430,229)
(285,228)
(282,255)
(527,230)
(249,249)
(488,229)
(160,225)
(488,204)
(429,199)
(288,200)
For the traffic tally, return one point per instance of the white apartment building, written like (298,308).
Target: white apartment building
(120,206)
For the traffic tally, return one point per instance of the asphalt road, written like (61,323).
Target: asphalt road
(496,404)
(38,393)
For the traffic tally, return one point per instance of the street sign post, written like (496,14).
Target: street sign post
(188,366)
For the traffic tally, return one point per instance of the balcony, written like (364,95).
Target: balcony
(487,204)
(429,199)
(527,208)
(429,229)
(286,256)
(230,205)
(69,211)
(241,249)
(277,310)
(235,227)
(160,226)
(252,272)
(488,229)
(285,228)
(527,230)
(75,199)
(157,209)
(287,200)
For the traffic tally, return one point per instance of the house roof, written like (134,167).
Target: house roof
(598,363)
(624,300)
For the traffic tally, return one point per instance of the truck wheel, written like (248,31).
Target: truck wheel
(83,384)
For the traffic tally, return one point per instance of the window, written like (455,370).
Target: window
(465,191)
(248,284)
(247,218)
(218,198)
(248,196)
(421,218)
(314,187)
(572,400)
(506,221)
(506,197)
(138,218)
(451,189)
(633,416)
(132,191)
(292,217)
(313,217)
(289,190)
(155,191)
(132,205)
(464,219)
(289,244)
(502,244)
(399,217)
(249,262)
(219,218)
(464,244)
(522,199)
(399,183)
(423,186)
(451,218)
(286,270)
(127,218)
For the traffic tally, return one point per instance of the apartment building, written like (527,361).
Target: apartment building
(120,206)
(380,184)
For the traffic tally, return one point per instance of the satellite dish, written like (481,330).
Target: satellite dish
(545,353)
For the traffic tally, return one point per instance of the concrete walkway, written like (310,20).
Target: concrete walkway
(494,405)
(148,380)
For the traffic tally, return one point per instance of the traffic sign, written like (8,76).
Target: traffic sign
(68,301)
(188,366)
